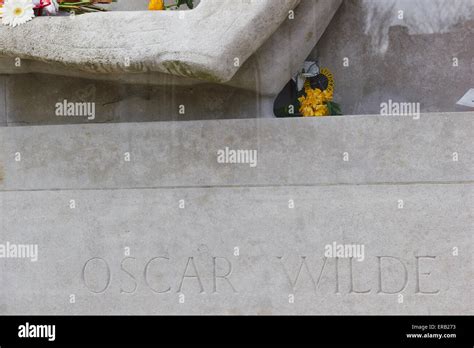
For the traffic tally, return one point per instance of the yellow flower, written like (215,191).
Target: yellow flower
(328,95)
(330,77)
(313,103)
(321,110)
(156,5)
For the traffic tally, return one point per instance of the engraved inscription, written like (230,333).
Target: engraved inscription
(160,275)
(383,275)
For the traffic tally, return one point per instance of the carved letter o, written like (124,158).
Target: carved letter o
(108,275)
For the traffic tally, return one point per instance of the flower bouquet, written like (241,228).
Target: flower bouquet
(17,12)
(309,94)
(317,97)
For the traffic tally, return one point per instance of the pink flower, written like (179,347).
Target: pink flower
(46,7)
(51,9)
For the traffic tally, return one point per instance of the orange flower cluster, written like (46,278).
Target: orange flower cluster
(314,102)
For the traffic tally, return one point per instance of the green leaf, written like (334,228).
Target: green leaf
(190,3)
(334,109)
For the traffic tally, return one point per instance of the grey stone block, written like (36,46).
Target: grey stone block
(290,152)
(174,232)
(410,261)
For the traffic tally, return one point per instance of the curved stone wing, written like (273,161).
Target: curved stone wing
(210,42)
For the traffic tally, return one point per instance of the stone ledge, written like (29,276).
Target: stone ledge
(299,151)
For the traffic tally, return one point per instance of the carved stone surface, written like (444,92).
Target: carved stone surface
(155,233)
(210,43)
(201,43)
(281,251)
